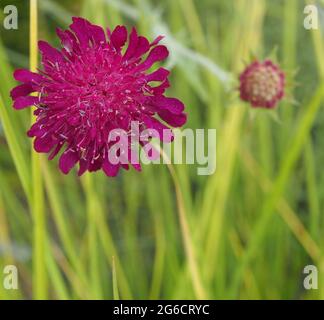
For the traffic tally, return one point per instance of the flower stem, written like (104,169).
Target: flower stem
(190,250)
(37,207)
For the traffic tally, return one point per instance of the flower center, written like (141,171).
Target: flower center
(263,83)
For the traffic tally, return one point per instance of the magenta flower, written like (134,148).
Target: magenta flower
(262,84)
(92,86)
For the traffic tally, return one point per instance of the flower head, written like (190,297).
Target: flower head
(262,84)
(90,87)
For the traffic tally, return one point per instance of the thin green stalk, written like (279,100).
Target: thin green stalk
(55,275)
(39,263)
(312,191)
(109,248)
(199,288)
(158,267)
(115,284)
(93,246)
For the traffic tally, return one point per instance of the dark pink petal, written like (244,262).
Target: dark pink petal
(97,34)
(21,90)
(161,88)
(118,37)
(111,170)
(95,166)
(83,167)
(173,120)
(67,160)
(80,28)
(159,53)
(44,144)
(156,41)
(50,53)
(125,166)
(159,75)
(133,41)
(143,46)
(163,103)
(56,150)
(23,102)
(137,166)
(24,75)
(68,40)
(36,130)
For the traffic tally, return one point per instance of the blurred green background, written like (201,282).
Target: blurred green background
(246,232)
